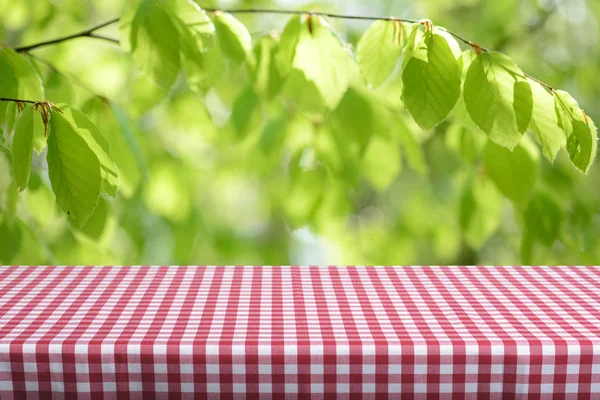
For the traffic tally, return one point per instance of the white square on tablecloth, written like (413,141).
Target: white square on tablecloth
(83,387)
(186,349)
(317,387)
(420,369)
(342,350)
(109,386)
(290,350)
(368,369)
(596,368)
(212,369)
(135,386)
(471,369)
(58,387)
(595,388)
(316,369)
(316,349)
(134,368)
(445,388)
(420,387)
(446,369)
(291,388)
(265,388)
(108,368)
(572,369)
(496,387)
(394,369)
(31,386)
(471,387)
(368,388)
(212,349)
(547,369)
(343,388)
(497,369)
(186,369)
(187,387)
(213,388)
(56,367)
(394,388)
(523,369)
(29,367)
(291,369)
(162,387)
(160,368)
(238,369)
(264,350)
(522,388)
(497,350)
(264,369)
(571,388)
(546,388)
(239,388)
(238,350)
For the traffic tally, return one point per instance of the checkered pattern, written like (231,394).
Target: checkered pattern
(281,332)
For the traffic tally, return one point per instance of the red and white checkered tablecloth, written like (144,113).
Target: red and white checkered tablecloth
(283,332)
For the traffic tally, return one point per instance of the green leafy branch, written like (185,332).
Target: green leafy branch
(91,31)
(312,65)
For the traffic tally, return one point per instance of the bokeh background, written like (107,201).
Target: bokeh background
(198,193)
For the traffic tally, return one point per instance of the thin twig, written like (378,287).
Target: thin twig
(87,33)
(18,100)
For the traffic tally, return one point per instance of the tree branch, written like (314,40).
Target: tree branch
(87,33)
(18,100)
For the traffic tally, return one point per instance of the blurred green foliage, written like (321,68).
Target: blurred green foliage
(236,165)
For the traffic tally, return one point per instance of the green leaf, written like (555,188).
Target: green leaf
(544,122)
(150,35)
(9,85)
(86,129)
(497,99)
(411,147)
(124,150)
(582,144)
(233,37)
(579,129)
(3,147)
(10,208)
(98,222)
(145,94)
(514,172)
(379,50)
(469,143)
(22,148)
(480,211)
(29,84)
(303,92)
(382,162)
(74,169)
(543,218)
(324,61)
(523,104)
(266,76)
(431,81)
(356,132)
(18,245)
(245,110)
(201,57)
(287,44)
